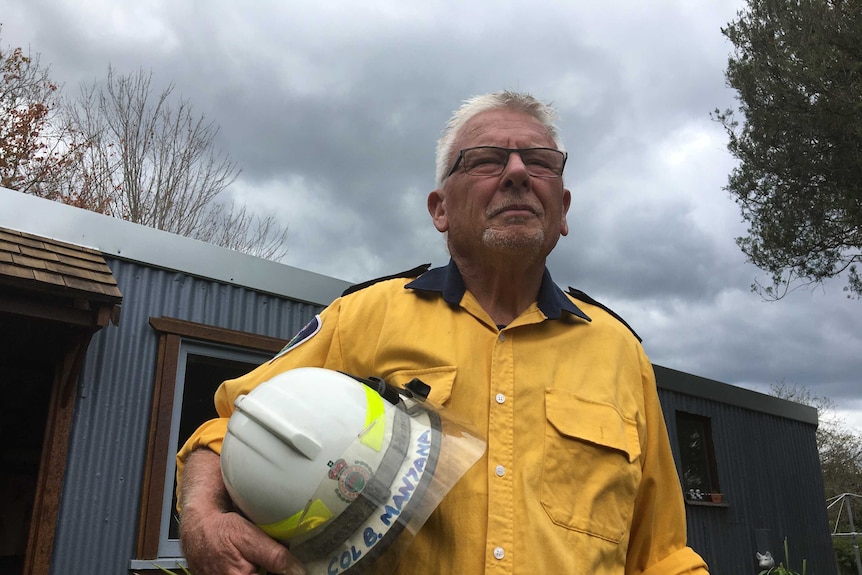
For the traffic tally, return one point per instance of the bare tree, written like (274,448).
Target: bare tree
(840,446)
(235,229)
(150,160)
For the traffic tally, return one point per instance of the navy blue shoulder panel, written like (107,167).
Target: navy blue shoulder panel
(579,295)
(415,272)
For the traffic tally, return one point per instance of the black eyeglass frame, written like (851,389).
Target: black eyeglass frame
(508,155)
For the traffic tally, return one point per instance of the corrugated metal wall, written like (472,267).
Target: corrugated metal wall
(768,466)
(769,471)
(99,511)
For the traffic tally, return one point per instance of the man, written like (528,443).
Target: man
(578,475)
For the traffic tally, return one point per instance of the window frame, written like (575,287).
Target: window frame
(713,495)
(176,338)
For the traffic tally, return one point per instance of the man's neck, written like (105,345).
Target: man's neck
(504,287)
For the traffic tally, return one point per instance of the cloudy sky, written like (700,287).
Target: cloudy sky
(332,111)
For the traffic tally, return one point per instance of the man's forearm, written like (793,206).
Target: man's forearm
(214,539)
(203,488)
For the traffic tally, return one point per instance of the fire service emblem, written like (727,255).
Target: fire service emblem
(351,479)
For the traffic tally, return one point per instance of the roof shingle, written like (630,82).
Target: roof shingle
(51,266)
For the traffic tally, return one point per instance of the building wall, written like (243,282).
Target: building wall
(98,520)
(768,465)
(769,471)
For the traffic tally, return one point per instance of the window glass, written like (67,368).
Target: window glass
(200,370)
(697,457)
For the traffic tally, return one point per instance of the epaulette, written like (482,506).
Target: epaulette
(579,295)
(415,272)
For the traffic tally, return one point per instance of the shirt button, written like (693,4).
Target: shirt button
(500,471)
(502,337)
(500,398)
(499,553)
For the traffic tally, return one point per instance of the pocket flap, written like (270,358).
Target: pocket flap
(592,421)
(440,379)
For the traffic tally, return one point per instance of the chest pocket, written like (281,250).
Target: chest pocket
(591,469)
(439,378)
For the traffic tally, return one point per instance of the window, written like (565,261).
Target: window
(193,359)
(202,367)
(697,458)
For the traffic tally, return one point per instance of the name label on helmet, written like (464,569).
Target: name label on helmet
(409,480)
(403,489)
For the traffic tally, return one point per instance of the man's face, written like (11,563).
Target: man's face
(514,212)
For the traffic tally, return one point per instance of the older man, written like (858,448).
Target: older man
(578,475)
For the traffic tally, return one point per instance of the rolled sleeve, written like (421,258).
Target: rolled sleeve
(684,561)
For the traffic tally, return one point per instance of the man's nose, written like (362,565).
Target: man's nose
(515,174)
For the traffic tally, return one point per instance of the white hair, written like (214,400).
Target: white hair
(476,105)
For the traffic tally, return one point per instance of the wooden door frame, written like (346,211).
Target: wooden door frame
(52,467)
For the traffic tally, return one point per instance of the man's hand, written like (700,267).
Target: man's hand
(216,540)
(227,544)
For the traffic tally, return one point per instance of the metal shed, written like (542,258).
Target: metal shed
(192,312)
(764,454)
(177,293)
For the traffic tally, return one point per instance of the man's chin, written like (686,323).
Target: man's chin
(523,242)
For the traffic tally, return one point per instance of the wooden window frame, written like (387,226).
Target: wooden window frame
(714,495)
(171,333)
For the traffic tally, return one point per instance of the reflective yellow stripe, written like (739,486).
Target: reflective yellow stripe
(375,423)
(316,514)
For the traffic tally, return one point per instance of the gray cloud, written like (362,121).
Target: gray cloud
(333,111)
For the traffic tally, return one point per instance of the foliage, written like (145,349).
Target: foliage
(781,569)
(840,450)
(185,571)
(845,554)
(36,149)
(839,446)
(797,70)
(169,572)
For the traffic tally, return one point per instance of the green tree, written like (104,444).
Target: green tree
(797,70)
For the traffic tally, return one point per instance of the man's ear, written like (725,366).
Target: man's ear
(437,209)
(567,201)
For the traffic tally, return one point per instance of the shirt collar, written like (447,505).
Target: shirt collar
(448,282)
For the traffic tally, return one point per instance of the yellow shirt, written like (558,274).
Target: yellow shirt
(578,477)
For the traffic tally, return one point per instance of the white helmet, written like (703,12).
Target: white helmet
(336,466)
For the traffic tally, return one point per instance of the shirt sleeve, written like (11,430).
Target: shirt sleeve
(321,349)
(658,534)
(683,561)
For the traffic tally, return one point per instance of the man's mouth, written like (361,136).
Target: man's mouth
(515,210)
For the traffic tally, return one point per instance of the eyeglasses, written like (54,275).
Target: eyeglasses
(491,161)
